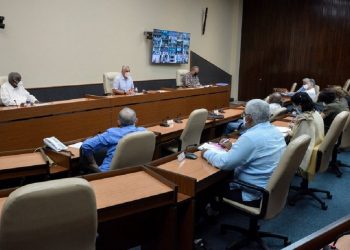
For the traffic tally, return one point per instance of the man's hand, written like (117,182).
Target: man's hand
(202,153)
(225,143)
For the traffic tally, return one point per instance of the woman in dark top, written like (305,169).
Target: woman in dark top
(332,106)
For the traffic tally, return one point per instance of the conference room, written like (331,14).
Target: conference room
(220,124)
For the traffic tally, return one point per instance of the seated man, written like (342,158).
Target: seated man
(253,157)
(274,100)
(191,80)
(332,107)
(123,84)
(13,92)
(308,87)
(109,139)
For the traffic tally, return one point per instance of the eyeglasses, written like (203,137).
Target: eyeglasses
(244,114)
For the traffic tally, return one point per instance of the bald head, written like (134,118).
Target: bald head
(127,117)
(275,98)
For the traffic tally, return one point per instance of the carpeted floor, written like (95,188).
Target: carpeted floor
(296,222)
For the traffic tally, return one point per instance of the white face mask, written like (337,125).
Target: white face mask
(306,86)
(127,74)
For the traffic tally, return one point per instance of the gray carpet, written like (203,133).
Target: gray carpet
(296,222)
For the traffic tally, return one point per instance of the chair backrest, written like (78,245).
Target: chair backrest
(294,86)
(108,78)
(281,178)
(277,113)
(134,149)
(3,79)
(346,85)
(179,74)
(326,148)
(58,214)
(345,139)
(191,135)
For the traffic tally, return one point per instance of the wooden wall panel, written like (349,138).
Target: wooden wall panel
(285,41)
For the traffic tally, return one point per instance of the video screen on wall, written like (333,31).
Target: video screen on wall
(170,47)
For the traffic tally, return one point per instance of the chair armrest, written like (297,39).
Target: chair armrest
(265,194)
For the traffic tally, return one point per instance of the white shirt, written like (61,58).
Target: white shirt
(11,96)
(312,93)
(274,107)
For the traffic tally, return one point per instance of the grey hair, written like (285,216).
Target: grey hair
(194,67)
(259,110)
(124,67)
(127,117)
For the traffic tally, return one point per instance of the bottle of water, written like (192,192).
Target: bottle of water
(136,90)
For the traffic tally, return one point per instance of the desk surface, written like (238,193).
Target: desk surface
(21,160)
(229,113)
(281,123)
(198,169)
(125,188)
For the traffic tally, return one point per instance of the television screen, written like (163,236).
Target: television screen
(170,47)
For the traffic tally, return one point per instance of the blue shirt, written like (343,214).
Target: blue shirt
(253,157)
(120,83)
(108,140)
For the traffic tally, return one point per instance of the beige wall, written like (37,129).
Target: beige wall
(68,42)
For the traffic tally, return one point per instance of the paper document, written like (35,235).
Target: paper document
(283,129)
(76,145)
(212,146)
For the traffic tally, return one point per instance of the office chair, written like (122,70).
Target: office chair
(277,113)
(3,79)
(294,86)
(58,214)
(273,197)
(191,135)
(134,149)
(108,78)
(324,154)
(179,74)
(342,144)
(345,138)
(347,85)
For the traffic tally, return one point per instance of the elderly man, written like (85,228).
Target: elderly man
(109,139)
(254,156)
(13,92)
(191,80)
(123,84)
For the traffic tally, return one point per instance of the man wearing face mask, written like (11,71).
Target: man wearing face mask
(123,84)
(253,157)
(191,80)
(13,92)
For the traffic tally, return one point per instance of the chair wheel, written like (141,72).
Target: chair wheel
(329,196)
(324,207)
(287,243)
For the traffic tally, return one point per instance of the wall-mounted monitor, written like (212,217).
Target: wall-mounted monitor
(170,47)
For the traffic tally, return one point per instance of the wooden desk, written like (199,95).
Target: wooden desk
(192,177)
(25,127)
(23,165)
(281,123)
(174,131)
(134,206)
